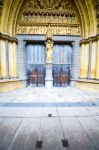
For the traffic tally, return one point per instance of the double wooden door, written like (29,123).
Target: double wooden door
(36,64)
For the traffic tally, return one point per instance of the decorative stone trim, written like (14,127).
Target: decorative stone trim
(88,81)
(11,80)
(7,37)
(97,13)
(90,39)
(1,5)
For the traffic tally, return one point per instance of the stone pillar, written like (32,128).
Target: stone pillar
(82,61)
(49,78)
(93,60)
(0,59)
(75,65)
(11,60)
(75,60)
(86,60)
(15,71)
(97,61)
(3,59)
(21,56)
(89,62)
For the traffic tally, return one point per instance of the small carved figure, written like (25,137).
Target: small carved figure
(49,48)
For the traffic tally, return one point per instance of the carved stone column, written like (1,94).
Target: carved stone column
(15,71)
(11,60)
(93,60)
(86,60)
(49,49)
(97,66)
(3,59)
(82,61)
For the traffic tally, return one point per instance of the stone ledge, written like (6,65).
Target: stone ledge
(91,38)
(88,85)
(5,36)
(10,80)
(88,81)
(10,85)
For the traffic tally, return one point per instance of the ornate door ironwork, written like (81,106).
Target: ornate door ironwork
(61,64)
(61,75)
(36,75)
(35,54)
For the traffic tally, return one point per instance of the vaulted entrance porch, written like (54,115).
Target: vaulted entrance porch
(49,22)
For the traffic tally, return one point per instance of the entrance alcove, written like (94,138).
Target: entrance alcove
(67,21)
(49,43)
(33,54)
(50,24)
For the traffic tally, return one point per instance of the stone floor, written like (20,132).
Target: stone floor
(38,118)
(23,128)
(30,94)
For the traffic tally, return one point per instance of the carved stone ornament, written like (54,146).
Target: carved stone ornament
(97,13)
(48,17)
(1,5)
(49,48)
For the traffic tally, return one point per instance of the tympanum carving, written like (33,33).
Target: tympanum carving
(38,16)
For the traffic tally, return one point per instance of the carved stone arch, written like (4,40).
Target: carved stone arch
(11,10)
(66,17)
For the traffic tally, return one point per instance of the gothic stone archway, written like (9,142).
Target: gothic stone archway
(50,19)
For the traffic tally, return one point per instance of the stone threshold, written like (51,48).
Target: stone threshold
(88,81)
(10,80)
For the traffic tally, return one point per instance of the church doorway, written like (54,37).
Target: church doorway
(36,64)
(48,61)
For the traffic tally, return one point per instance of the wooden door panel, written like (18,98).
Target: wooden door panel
(60,75)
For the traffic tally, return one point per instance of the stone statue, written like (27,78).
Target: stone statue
(49,47)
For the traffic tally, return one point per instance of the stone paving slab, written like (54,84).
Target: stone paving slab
(31,94)
(21,128)
(8,129)
(93,110)
(91,127)
(77,137)
(44,112)
(25,118)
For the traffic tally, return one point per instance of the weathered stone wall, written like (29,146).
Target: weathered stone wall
(10,85)
(87,85)
(89,64)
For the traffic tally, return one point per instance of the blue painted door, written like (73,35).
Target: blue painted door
(35,64)
(62,56)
